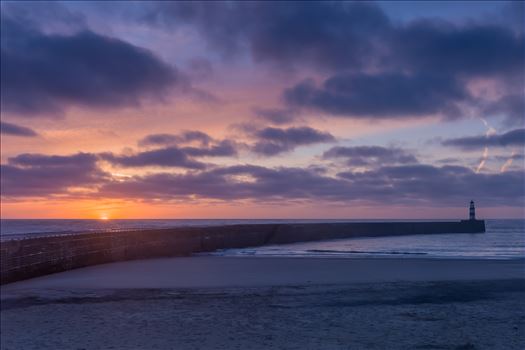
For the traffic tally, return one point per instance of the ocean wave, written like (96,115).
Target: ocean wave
(363,252)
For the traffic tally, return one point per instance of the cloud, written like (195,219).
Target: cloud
(16,130)
(224,148)
(328,34)
(404,184)
(178,150)
(444,185)
(370,155)
(45,73)
(273,141)
(231,183)
(176,139)
(42,160)
(379,68)
(207,146)
(346,36)
(512,107)
(473,49)
(276,115)
(511,138)
(164,157)
(38,175)
(390,95)
(48,17)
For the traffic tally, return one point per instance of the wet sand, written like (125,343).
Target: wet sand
(276,303)
(211,271)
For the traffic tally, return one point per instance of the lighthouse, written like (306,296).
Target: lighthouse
(472,211)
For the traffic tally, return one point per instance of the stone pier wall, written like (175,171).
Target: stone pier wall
(32,257)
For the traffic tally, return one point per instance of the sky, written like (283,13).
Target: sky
(262,109)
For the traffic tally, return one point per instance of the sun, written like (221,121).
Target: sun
(104,217)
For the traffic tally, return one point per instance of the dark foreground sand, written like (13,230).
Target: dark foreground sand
(277,303)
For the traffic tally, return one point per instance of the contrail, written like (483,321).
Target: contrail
(483,160)
(490,131)
(508,162)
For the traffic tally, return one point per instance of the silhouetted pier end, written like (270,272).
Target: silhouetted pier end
(473,225)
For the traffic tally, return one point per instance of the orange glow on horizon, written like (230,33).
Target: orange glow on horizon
(108,210)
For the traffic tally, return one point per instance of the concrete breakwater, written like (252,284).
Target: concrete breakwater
(38,256)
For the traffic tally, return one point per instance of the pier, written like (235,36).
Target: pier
(32,257)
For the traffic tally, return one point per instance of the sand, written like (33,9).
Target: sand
(210,271)
(271,303)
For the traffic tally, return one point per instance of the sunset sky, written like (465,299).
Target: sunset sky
(262,110)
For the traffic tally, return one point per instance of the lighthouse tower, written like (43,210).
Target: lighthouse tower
(472,211)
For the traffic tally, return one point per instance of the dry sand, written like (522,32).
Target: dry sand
(276,303)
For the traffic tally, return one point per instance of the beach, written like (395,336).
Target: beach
(280,303)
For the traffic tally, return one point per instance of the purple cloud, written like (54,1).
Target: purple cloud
(276,115)
(16,130)
(43,73)
(410,184)
(272,141)
(164,157)
(511,138)
(380,95)
(175,139)
(38,175)
(370,155)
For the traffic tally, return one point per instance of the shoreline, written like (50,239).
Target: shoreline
(270,303)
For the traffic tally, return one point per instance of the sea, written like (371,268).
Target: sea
(503,239)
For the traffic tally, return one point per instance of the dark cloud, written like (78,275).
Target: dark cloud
(207,146)
(42,160)
(164,157)
(407,184)
(370,155)
(224,148)
(380,95)
(448,160)
(176,139)
(272,141)
(420,67)
(276,115)
(447,184)
(37,175)
(16,130)
(44,73)
(511,138)
(177,151)
(347,35)
(229,183)
(47,16)
(468,50)
(328,34)
(512,107)
(514,156)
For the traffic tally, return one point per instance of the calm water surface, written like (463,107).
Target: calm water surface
(504,239)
